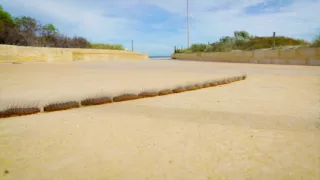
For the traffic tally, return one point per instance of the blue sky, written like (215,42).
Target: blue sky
(156,26)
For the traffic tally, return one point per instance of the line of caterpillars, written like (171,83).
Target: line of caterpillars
(21,111)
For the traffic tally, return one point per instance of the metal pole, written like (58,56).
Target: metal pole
(132,45)
(274,40)
(188,23)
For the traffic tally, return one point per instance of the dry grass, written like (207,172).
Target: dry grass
(61,106)
(96,101)
(125,97)
(18,111)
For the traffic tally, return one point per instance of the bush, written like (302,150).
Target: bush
(316,41)
(107,46)
(242,40)
(209,48)
(198,47)
(222,46)
(267,42)
(188,50)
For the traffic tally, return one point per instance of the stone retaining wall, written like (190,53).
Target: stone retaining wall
(299,56)
(9,53)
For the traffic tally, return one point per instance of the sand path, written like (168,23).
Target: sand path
(43,83)
(266,127)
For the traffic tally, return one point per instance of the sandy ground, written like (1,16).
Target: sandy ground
(43,83)
(266,127)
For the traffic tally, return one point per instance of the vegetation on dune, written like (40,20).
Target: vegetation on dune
(316,41)
(242,40)
(267,42)
(107,46)
(27,31)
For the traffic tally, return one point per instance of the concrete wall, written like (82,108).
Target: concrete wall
(299,56)
(9,53)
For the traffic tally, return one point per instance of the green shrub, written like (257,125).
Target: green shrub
(239,41)
(242,34)
(242,40)
(267,42)
(198,47)
(209,48)
(316,41)
(222,46)
(107,46)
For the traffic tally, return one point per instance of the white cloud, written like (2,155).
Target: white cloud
(291,21)
(211,19)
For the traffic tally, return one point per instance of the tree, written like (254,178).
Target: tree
(6,26)
(47,35)
(28,30)
(5,18)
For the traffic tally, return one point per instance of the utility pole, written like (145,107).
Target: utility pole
(274,40)
(132,45)
(188,24)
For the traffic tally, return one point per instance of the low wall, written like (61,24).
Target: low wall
(299,56)
(9,53)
